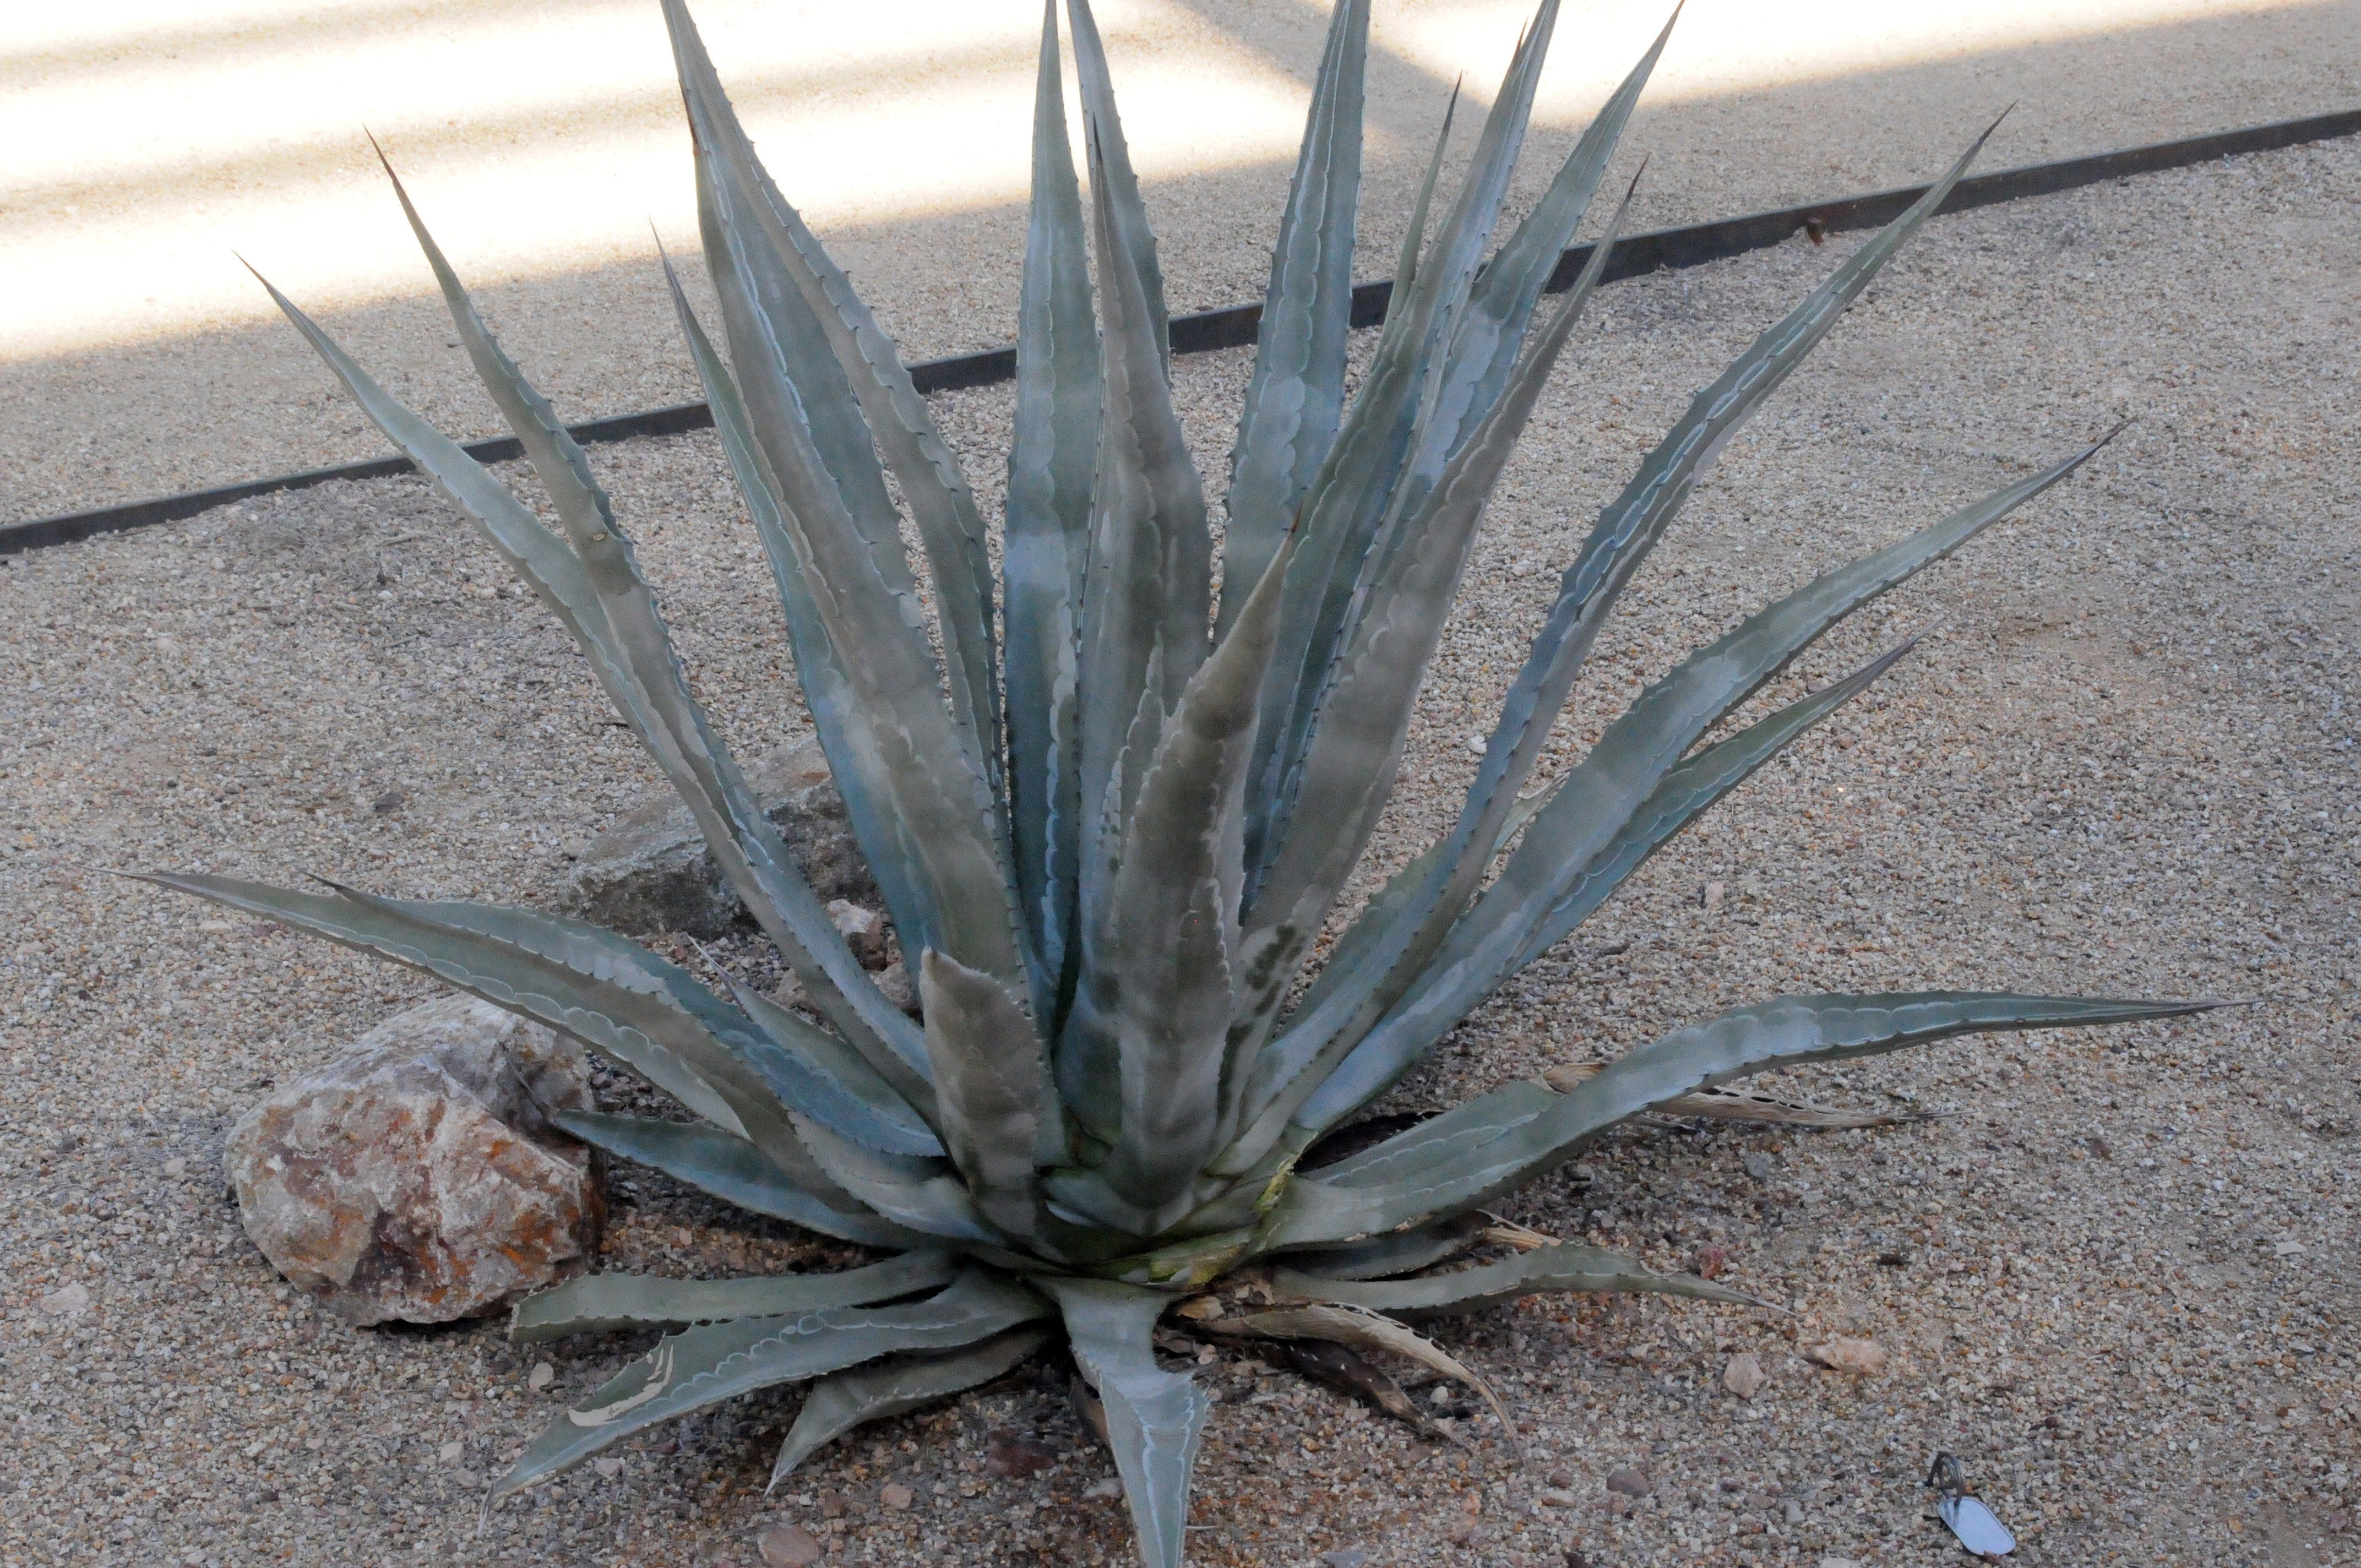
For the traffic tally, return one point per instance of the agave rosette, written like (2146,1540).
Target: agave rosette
(1110,816)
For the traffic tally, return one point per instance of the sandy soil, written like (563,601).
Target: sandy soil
(2117,1276)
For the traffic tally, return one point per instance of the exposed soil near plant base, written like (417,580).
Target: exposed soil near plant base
(2115,1276)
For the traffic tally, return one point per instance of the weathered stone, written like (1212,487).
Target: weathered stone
(866,931)
(1008,1451)
(418,1178)
(899,989)
(1862,1357)
(788,1546)
(1632,1481)
(1744,1376)
(651,871)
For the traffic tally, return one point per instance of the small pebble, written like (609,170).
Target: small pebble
(788,1546)
(897,1497)
(1008,1451)
(1863,1357)
(1631,1481)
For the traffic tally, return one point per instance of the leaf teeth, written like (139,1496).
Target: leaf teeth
(1501,1141)
(1155,1419)
(1051,462)
(1345,1323)
(1295,395)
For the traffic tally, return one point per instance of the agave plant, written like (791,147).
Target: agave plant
(1113,820)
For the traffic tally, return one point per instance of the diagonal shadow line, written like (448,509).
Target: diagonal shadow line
(1691,244)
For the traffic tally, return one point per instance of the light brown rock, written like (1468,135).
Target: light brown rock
(1863,1357)
(650,870)
(788,1546)
(865,930)
(896,1496)
(418,1178)
(1744,1376)
(1632,1481)
(900,990)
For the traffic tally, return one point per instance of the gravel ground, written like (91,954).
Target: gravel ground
(2115,1277)
(195,382)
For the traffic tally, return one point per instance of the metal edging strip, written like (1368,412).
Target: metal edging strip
(1234,327)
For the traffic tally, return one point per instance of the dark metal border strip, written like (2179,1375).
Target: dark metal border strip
(1692,245)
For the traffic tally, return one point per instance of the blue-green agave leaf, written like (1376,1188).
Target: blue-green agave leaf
(1626,530)
(843,1400)
(589,590)
(1618,806)
(885,1039)
(1050,458)
(1148,582)
(558,460)
(1559,1267)
(1174,918)
(1413,240)
(925,1195)
(1000,1114)
(647,1032)
(1296,393)
(688,1371)
(940,826)
(537,555)
(830,1056)
(1155,1419)
(1345,511)
(1684,794)
(1531,1138)
(1130,244)
(1398,1251)
(1510,926)
(603,1303)
(776,1179)
(930,478)
(1088,1057)
(1630,526)
(1359,938)
(1438,1141)
(1486,335)
(1355,749)
(802,1066)
(1148,588)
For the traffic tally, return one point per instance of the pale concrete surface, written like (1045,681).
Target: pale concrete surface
(150,138)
